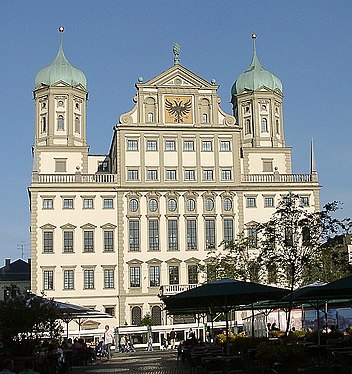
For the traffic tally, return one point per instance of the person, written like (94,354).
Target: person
(28,368)
(108,340)
(150,344)
(172,338)
(7,366)
(123,344)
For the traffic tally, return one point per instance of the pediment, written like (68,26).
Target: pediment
(178,76)
(68,226)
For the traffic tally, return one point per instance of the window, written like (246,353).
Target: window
(191,205)
(133,205)
(209,233)
(135,276)
(48,203)
(227,204)
(264,125)
(88,241)
(190,175)
(108,240)
(132,145)
(248,127)
(77,125)
(88,203)
(288,237)
(109,278)
(191,234)
(48,246)
(268,202)
(277,126)
(209,204)
(305,236)
(69,279)
(228,230)
(60,165)
(225,146)
(60,104)
(136,314)
(192,274)
(60,123)
(304,200)
(110,310)
(152,145)
(152,175)
(108,203)
(188,145)
(68,241)
(150,117)
(174,274)
(226,175)
(154,276)
(48,280)
(156,315)
(208,175)
(172,229)
(264,107)
(134,235)
(252,236)
(171,175)
(172,205)
(88,279)
(68,203)
(170,145)
(153,205)
(153,234)
(43,124)
(267,166)
(207,145)
(251,202)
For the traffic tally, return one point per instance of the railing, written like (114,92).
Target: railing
(277,178)
(172,289)
(74,178)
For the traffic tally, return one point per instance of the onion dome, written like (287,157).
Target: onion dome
(60,70)
(256,76)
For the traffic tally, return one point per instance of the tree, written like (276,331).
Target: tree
(234,259)
(25,320)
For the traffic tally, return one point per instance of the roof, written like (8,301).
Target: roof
(18,270)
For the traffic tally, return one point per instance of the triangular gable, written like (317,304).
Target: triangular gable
(178,75)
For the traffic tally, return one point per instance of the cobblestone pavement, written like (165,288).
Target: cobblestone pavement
(157,362)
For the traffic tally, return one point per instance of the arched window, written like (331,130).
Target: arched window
(136,316)
(43,124)
(205,110)
(264,125)
(277,126)
(150,117)
(156,315)
(204,118)
(60,122)
(133,205)
(248,127)
(77,125)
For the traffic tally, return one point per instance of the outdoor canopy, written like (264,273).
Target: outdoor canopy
(221,296)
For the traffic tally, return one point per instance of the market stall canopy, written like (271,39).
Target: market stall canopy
(221,296)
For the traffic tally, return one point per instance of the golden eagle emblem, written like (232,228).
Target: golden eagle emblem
(178,109)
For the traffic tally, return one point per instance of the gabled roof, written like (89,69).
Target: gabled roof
(18,270)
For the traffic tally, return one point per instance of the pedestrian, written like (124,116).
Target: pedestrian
(123,344)
(150,344)
(108,340)
(173,338)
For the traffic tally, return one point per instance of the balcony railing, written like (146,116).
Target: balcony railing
(278,178)
(74,178)
(172,289)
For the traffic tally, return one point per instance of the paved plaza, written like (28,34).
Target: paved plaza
(157,362)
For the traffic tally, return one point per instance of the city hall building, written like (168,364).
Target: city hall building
(181,176)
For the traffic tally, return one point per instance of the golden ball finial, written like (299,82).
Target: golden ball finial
(254,36)
(61,29)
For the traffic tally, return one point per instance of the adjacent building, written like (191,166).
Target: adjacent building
(180,177)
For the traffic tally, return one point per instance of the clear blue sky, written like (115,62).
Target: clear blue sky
(307,44)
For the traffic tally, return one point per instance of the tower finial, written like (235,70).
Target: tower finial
(176,51)
(61,29)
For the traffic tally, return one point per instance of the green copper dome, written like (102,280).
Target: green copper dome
(60,70)
(256,76)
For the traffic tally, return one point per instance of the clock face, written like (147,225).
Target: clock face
(178,109)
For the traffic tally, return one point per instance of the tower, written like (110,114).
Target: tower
(60,95)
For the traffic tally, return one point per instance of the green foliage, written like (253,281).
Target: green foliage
(25,321)
(270,353)
(147,320)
